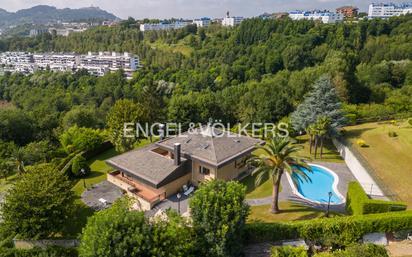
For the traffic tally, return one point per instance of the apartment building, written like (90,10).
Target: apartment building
(231,21)
(163,26)
(202,22)
(96,64)
(323,16)
(387,10)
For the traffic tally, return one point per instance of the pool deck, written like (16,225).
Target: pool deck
(341,170)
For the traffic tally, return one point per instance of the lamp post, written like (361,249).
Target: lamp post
(83,173)
(330,196)
(178,202)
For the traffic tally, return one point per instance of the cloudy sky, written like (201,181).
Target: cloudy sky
(188,8)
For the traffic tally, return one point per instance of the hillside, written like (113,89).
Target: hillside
(43,14)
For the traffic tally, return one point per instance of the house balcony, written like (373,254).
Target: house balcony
(147,196)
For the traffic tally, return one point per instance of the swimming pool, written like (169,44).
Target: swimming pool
(323,182)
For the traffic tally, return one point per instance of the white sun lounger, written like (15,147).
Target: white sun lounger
(189,191)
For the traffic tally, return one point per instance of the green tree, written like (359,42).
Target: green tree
(39,204)
(7,168)
(322,101)
(81,116)
(125,111)
(276,159)
(219,215)
(77,139)
(120,232)
(80,168)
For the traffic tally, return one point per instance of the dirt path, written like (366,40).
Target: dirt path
(400,249)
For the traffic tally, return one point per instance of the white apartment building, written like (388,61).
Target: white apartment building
(203,22)
(163,26)
(231,21)
(96,64)
(382,10)
(323,16)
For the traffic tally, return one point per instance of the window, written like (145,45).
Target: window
(203,170)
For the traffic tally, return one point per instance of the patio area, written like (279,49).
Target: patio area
(93,197)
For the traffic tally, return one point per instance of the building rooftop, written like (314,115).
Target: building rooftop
(212,146)
(149,166)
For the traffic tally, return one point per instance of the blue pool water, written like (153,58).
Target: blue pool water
(318,190)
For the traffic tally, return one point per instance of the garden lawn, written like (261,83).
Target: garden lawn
(99,170)
(289,212)
(255,192)
(390,157)
(330,154)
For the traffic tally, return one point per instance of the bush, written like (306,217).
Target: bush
(219,215)
(338,231)
(78,139)
(361,143)
(357,250)
(358,203)
(392,134)
(80,167)
(410,121)
(37,252)
(289,251)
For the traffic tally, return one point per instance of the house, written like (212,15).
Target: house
(348,11)
(155,172)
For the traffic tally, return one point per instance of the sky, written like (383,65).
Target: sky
(189,8)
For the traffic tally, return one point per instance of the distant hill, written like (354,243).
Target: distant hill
(43,14)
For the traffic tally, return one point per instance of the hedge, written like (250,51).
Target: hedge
(289,251)
(358,203)
(37,252)
(358,250)
(330,231)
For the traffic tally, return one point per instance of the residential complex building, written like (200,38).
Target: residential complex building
(231,21)
(160,170)
(163,26)
(383,10)
(37,32)
(348,11)
(97,64)
(202,22)
(323,16)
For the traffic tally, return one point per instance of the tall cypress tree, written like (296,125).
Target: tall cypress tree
(323,101)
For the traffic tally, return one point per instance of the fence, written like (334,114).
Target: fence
(358,165)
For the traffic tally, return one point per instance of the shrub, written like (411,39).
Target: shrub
(357,250)
(289,251)
(392,134)
(410,121)
(80,167)
(37,252)
(338,231)
(358,203)
(78,139)
(361,143)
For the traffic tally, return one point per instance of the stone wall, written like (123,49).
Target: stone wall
(29,244)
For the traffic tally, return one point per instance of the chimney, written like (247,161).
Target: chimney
(177,153)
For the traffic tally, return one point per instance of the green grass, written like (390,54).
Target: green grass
(180,47)
(330,154)
(255,192)
(6,184)
(390,157)
(99,170)
(265,188)
(289,212)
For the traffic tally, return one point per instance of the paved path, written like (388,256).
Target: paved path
(344,174)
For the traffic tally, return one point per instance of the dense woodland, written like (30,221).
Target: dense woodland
(259,71)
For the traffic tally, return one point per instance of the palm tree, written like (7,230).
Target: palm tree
(321,128)
(19,156)
(276,159)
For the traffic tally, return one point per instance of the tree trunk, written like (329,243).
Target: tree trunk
(316,145)
(311,143)
(321,147)
(275,193)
